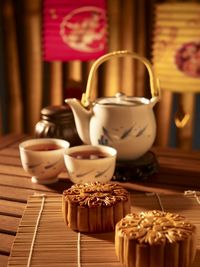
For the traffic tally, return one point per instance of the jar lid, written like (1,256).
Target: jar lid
(62,111)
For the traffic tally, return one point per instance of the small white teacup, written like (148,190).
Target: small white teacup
(90,163)
(43,159)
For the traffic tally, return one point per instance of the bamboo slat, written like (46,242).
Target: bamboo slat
(140,46)
(163,116)
(73,76)
(33,58)
(43,239)
(74,70)
(56,83)
(73,79)
(112,67)
(185,134)
(14,106)
(127,28)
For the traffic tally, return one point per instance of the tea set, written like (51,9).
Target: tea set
(121,126)
(123,122)
(41,160)
(45,164)
(99,166)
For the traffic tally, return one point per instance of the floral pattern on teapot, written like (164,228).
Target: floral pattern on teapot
(131,131)
(126,123)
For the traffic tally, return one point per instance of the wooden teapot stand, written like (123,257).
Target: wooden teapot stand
(136,170)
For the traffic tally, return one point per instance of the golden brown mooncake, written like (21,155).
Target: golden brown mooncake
(95,207)
(155,239)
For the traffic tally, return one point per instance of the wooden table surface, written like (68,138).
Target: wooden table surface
(178,171)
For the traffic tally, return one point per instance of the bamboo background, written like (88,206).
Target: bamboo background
(28,83)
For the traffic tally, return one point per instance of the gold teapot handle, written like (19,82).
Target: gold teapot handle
(154,83)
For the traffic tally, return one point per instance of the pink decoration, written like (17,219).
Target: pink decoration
(74,29)
(187,59)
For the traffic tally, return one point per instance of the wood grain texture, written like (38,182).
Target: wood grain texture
(9,208)
(11,139)
(178,171)
(9,224)
(6,242)
(3,260)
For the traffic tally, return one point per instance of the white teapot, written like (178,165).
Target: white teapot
(123,122)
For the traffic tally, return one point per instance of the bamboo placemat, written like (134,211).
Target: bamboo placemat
(43,239)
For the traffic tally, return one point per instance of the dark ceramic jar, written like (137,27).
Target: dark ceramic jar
(58,122)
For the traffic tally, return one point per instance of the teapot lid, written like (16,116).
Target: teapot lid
(122,100)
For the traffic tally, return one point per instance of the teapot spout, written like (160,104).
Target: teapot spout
(82,119)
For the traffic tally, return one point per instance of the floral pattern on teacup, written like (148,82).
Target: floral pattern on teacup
(42,167)
(97,173)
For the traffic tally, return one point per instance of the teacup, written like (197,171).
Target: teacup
(43,159)
(90,163)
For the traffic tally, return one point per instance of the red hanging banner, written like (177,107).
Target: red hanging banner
(74,30)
